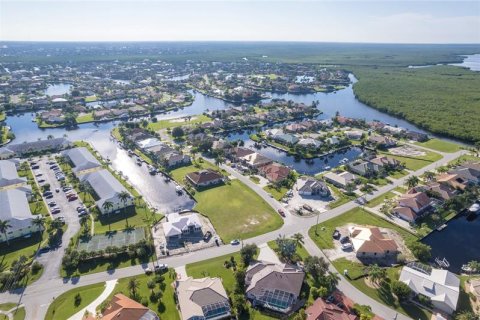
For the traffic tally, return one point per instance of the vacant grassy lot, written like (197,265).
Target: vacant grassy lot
(380,199)
(165,308)
(85,118)
(356,216)
(440,145)
(64,306)
(383,294)
(277,194)
(165,124)
(234,209)
(415,163)
(179,174)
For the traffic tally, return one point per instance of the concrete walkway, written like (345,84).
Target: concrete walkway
(92,307)
(181,272)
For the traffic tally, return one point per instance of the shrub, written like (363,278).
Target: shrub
(77,299)
(401,290)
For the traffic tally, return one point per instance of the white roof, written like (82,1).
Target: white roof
(15,209)
(8,174)
(176,223)
(439,285)
(82,159)
(149,143)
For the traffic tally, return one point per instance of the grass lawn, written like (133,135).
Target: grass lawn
(255,179)
(235,210)
(398,174)
(302,253)
(215,268)
(3,116)
(440,145)
(463,158)
(64,307)
(356,216)
(379,200)
(91,98)
(172,123)
(165,308)
(37,205)
(85,118)
(415,163)
(400,189)
(19,314)
(340,197)
(7,306)
(383,294)
(18,247)
(277,194)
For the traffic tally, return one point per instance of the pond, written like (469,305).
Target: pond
(58,89)
(458,242)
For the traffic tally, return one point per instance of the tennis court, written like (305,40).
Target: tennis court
(114,239)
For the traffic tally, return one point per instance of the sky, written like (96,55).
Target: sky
(384,21)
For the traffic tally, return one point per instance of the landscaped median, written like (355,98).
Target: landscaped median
(234,209)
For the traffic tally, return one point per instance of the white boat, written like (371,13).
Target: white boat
(466,268)
(328,168)
(474,208)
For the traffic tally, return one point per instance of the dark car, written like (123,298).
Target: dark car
(49,196)
(207,235)
(336,235)
(47,193)
(344,239)
(56,210)
(35,167)
(44,249)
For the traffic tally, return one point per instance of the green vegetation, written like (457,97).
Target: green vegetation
(66,305)
(340,197)
(91,98)
(440,145)
(165,306)
(359,216)
(380,199)
(88,117)
(19,314)
(165,124)
(19,247)
(7,306)
(235,210)
(415,163)
(428,97)
(276,193)
(3,116)
(383,294)
(37,205)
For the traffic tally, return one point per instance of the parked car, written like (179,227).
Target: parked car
(41,180)
(56,210)
(52,203)
(47,193)
(307,207)
(72,198)
(346,246)
(344,239)
(336,235)
(39,175)
(49,196)
(44,249)
(207,235)
(161,267)
(65,189)
(235,242)
(80,208)
(35,167)
(281,212)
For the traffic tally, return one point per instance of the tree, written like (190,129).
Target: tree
(298,237)
(247,253)
(39,223)
(315,266)
(420,250)
(429,175)
(124,196)
(332,279)
(375,273)
(133,286)
(4,226)
(286,247)
(239,281)
(219,160)
(466,315)
(178,132)
(107,206)
(401,290)
(474,266)
(151,285)
(412,181)
(239,304)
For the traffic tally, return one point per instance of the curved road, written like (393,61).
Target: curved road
(40,294)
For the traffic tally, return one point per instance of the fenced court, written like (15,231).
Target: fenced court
(114,239)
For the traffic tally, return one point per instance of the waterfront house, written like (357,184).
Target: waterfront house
(468,171)
(442,287)
(454,180)
(309,143)
(311,187)
(341,179)
(204,178)
(362,167)
(81,160)
(371,243)
(148,143)
(416,136)
(107,188)
(274,286)
(321,310)
(255,160)
(123,308)
(40,146)
(178,225)
(354,134)
(385,162)
(382,141)
(15,209)
(440,190)
(412,205)
(9,176)
(203,298)
(286,139)
(274,172)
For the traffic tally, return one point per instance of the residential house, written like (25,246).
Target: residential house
(178,225)
(416,136)
(309,143)
(15,209)
(25,148)
(312,187)
(9,176)
(362,167)
(340,179)
(412,205)
(354,134)
(321,310)
(149,143)
(286,139)
(203,298)
(254,160)
(468,171)
(382,141)
(274,172)
(204,178)
(122,307)
(444,191)
(274,286)
(441,286)
(333,140)
(371,243)
(82,160)
(385,162)
(107,188)
(453,180)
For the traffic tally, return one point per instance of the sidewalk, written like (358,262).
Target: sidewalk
(92,307)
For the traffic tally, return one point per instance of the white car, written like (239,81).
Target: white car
(346,246)
(235,242)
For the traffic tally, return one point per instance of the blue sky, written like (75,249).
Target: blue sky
(333,21)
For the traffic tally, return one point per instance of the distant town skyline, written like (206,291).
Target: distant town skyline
(319,21)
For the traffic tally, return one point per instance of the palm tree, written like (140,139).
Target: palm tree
(412,181)
(332,279)
(151,285)
(429,175)
(124,197)
(219,161)
(39,223)
(133,286)
(107,207)
(298,237)
(375,273)
(4,226)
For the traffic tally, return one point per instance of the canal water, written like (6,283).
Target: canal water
(58,89)
(458,242)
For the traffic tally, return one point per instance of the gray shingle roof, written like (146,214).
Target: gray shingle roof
(8,174)
(105,185)
(82,159)
(14,208)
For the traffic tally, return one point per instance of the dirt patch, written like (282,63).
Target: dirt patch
(371,284)
(407,151)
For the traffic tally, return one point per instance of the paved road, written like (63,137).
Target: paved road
(40,294)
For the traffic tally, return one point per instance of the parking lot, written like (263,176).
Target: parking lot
(65,209)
